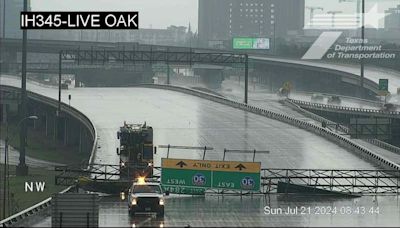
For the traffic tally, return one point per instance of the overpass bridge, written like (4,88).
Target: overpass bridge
(273,70)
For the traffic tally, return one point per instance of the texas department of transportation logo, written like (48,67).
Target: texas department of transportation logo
(247,183)
(199,179)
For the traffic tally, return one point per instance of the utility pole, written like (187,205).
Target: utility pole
(362,45)
(22,168)
(4,19)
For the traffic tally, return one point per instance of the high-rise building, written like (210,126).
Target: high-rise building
(10,13)
(221,20)
(392,20)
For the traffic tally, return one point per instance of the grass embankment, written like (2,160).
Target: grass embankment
(19,199)
(41,147)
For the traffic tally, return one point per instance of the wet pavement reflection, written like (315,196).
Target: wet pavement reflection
(256,211)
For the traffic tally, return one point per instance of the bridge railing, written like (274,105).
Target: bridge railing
(348,181)
(394,114)
(342,128)
(344,181)
(326,133)
(80,117)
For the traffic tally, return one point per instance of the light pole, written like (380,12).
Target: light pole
(3,34)
(360,11)
(22,169)
(362,45)
(5,158)
(4,19)
(6,168)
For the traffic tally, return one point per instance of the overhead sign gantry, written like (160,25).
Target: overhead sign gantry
(96,56)
(184,176)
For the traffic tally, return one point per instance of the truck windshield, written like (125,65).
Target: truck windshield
(147,189)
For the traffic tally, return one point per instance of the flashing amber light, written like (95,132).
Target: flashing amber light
(141,180)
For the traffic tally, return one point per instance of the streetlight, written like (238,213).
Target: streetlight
(360,11)
(4,19)
(362,45)
(6,168)
(22,169)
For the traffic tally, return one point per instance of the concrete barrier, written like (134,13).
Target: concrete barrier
(342,128)
(335,108)
(334,137)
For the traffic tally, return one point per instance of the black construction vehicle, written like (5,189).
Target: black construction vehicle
(135,151)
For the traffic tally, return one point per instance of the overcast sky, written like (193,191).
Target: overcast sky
(152,13)
(162,13)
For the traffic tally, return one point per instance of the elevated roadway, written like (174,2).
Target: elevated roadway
(262,97)
(349,73)
(180,119)
(371,73)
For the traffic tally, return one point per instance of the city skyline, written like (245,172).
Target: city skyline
(156,13)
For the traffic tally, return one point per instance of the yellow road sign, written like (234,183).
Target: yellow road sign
(227,166)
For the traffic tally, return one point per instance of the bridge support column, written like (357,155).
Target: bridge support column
(9,56)
(4,116)
(65,131)
(72,132)
(55,129)
(82,140)
(50,125)
(211,77)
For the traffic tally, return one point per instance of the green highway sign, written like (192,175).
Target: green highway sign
(250,43)
(185,176)
(383,84)
(383,87)
(242,43)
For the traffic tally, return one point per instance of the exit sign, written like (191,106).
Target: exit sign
(194,177)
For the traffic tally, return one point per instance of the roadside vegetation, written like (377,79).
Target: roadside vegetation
(19,199)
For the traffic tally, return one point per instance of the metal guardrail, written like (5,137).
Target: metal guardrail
(137,67)
(310,93)
(342,128)
(335,108)
(343,141)
(344,181)
(76,114)
(384,145)
(337,180)
(29,211)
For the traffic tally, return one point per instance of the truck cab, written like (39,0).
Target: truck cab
(136,150)
(146,197)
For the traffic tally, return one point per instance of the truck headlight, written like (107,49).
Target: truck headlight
(161,201)
(134,201)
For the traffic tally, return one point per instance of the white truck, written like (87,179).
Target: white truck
(146,197)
